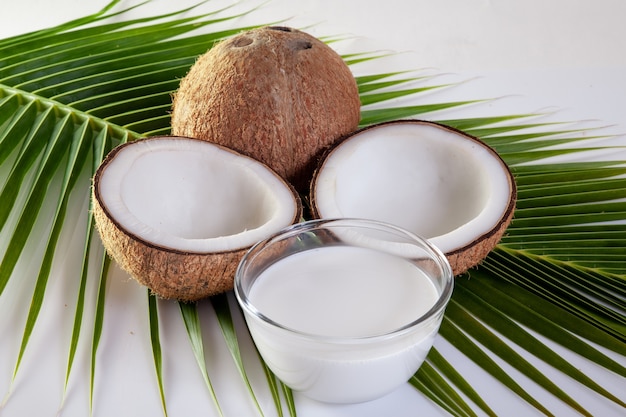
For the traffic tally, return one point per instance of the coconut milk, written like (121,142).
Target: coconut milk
(347,293)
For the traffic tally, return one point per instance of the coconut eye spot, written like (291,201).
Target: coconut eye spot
(301,44)
(280,28)
(241,41)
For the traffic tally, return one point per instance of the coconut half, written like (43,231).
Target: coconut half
(432,180)
(178,213)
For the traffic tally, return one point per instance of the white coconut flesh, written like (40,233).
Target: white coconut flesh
(431,180)
(190,195)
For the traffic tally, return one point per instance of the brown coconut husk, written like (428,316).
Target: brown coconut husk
(276,94)
(473,253)
(169,273)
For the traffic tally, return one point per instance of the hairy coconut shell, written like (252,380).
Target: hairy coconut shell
(465,258)
(276,94)
(168,272)
(461,257)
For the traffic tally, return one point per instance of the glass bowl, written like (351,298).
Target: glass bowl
(343,310)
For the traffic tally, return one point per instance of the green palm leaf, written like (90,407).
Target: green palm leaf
(224,317)
(77,156)
(97,326)
(431,383)
(190,316)
(70,93)
(157,353)
(430,380)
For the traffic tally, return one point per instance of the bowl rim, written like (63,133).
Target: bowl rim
(437,255)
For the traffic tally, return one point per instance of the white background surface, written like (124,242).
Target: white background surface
(563,56)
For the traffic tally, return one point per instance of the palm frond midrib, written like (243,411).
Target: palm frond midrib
(63,108)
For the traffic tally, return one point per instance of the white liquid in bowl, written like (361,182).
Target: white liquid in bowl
(334,305)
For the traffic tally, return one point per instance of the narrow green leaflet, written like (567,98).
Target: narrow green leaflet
(97,326)
(189,313)
(516,303)
(475,123)
(359,57)
(224,315)
(273,386)
(157,354)
(435,387)
(99,148)
(442,365)
(372,98)
(30,54)
(433,384)
(19,117)
(36,197)
(288,394)
(453,333)
(222,310)
(369,83)
(369,117)
(542,283)
(31,119)
(496,320)
(77,155)
(503,133)
(103,13)
(80,305)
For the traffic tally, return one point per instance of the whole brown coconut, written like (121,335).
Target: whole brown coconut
(276,94)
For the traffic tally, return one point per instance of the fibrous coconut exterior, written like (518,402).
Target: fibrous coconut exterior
(463,259)
(276,94)
(466,256)
(169,273)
